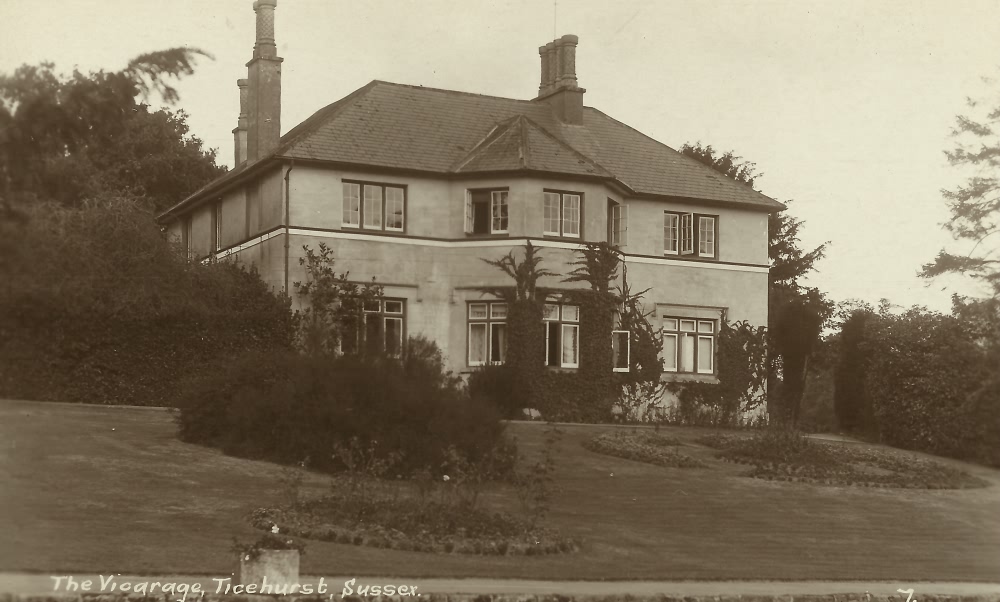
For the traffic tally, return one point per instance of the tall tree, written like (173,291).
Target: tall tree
(975,206)
(796,314)
(89,135)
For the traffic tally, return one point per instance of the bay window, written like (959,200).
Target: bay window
(561,213)
(486,212)
(562,335)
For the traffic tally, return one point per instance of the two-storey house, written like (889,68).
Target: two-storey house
(413,186)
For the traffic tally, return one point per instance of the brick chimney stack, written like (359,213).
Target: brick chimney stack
(264,86)
(240,131)
(558,85)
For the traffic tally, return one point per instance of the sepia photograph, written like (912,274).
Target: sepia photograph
(499,301)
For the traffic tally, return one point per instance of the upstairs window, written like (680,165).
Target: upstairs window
(561,213)
(487,333)
(690,234)
(617,224)
(562,335)
(374,206)
(217,227)
(486,212)
(688,345)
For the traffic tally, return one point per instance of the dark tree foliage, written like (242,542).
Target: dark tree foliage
(728,163)
(850,403)
(98,306)
(796,314)
(87,136)
(975,205)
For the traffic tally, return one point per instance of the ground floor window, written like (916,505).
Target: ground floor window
(562,335)
(381,329)
(688,345)
(487,324)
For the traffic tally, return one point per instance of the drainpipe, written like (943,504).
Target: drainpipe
(288,173)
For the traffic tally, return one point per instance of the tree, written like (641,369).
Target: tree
(86,136)
(975,206)
(796,314)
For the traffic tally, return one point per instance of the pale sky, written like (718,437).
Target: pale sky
(845,106)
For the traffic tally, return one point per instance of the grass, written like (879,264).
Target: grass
(105,489)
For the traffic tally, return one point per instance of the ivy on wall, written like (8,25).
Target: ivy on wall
(591,392)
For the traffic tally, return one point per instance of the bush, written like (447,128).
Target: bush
(922,372)
(495,383)
(289,408)
(98,306)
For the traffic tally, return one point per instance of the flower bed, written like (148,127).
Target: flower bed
(410,523)
(787,456)
(642,446)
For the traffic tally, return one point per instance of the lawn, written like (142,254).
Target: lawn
(107,489)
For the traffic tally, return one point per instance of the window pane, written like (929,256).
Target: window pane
(550,213)
(498,310)
(669,323)
(670,352)
(705,354)
(393,337)
(552,344)
(620,349)
(499,211)
(571,313)
(394,208)
(477,344)
(570,345)
(687,325)
(571,215)
(670,233)
(393,307)
(373,306)
(477,311)
(352,205)
(551,312)
(373,334)
(498,342)
(373,207)
(686,353)
(705,327)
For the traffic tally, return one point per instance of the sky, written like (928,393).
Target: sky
(845,106)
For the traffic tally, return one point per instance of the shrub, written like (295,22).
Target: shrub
(288,407)
(98,306)
(642,446)
(921,374)
(495,383)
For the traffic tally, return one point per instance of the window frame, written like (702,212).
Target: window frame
(628,350)
(493,197)
(562,213)
(383,206)
(678,333)
(489,320)
(689,237)
(562,324)
(216,227)
(617,234)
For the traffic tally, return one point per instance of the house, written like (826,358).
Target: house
(414,186)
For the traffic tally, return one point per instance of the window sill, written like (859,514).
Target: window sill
(688,377)
(575,239)
(491,235)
